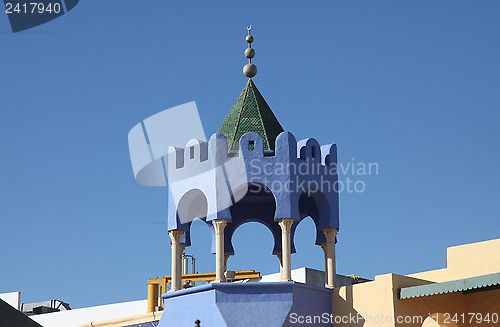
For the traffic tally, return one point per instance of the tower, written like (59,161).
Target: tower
(253,170)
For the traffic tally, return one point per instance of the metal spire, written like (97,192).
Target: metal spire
(249,70)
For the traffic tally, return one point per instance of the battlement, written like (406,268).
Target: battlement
(195,151)
(251,146)
(206,180)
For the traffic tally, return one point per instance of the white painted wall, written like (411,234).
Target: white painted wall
(298,275)
(12,298)
(76,317)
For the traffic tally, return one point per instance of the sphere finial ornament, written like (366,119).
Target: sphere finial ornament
(250,70)
(249,53)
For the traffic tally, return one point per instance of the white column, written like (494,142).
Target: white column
(286,250)
(177,249)
(323,246)
(330,234)
(219,225)
(185,263)
(280,257)
(226,256)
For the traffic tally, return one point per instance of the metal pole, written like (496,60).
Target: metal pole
(193,267)
(185,264)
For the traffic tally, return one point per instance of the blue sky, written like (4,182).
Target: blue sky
(411,85)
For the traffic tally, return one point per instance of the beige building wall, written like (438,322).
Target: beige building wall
(377,304)
(465,261)
(374,302)
(353,304)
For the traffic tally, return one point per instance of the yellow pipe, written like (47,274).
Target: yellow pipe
(152,296)
(155,283)
(245,274)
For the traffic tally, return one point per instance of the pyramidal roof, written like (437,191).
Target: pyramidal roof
(250,113)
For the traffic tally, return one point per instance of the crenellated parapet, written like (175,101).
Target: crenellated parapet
(208,181)
(197,152)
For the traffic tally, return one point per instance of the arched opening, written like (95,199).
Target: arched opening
(307,254)
(192,205)
(197,237)
(439,320)
(430,322)
(308,234)
(253,243)
(255,210)
(257,205)
(201,243)
(314,203)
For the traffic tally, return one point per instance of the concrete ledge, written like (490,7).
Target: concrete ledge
(242,286)
(118,322)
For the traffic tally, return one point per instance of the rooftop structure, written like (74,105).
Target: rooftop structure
(222,182)
(253,170)
(44,307)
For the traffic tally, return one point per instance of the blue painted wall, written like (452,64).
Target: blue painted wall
(297,180)
(245,304)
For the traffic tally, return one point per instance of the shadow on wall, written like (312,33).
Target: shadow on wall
(344,303)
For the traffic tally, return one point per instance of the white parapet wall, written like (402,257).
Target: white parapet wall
(298,275)
(77,317)
(12,298)
(309,276)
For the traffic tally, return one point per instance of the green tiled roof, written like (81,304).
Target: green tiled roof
(461,285)
(250,113)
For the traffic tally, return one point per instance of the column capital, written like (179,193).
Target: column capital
(286,225)
(175,235)
(330,234)
(323,246)
(219,225)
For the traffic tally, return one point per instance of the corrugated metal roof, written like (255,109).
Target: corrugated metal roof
(460,285)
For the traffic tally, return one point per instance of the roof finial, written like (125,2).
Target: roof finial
(249,70)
